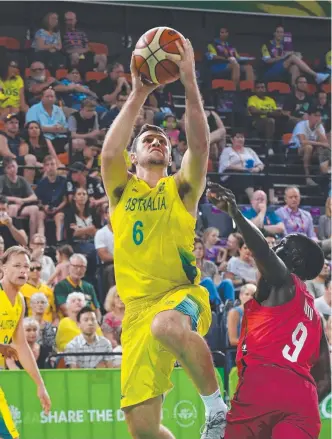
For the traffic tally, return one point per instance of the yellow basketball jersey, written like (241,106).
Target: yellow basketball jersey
(9,318)
(153,241)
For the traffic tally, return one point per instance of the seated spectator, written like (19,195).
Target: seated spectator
(179,151)
(107,118)
(324,303)
(84,124)
(10,139)
(262,217)
(210,216)
(37,246)
(76,46)
(328,333)
(115,309)
(22,200)
(11,229)
(75,283)
(12,98)
(79,92)
(234,322)
(114,336)
(104,244)
(224,57)
(316,287)
(37,82)
(242,269)
(308,138)
(68,327)
(218,290)
(108,88)
(35,285)
(171,128)
(88,342)
(264,111)
(217,129)
(271,240)
(325,222)
(325,107)
(52,120)
(35,145)
(51,192)
(47,43)
(79,179)
(62,256)
(39,304)
(240,160)
(297,103)
(81,224)
(160,102)
(234,317)
(296,220)
(279,60)
(233,245)
(212,249)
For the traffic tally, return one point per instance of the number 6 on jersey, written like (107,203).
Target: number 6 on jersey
(297,342)
(138,233)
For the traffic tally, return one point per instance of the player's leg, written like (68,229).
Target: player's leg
(7,426)
(144,420)
(173,329)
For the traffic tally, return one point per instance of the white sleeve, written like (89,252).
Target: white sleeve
(321,129)
(99,241)
(224,160)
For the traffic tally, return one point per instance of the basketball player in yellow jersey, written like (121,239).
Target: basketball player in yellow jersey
(16,265)
(153,218)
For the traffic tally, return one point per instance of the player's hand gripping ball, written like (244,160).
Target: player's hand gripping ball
(150,55)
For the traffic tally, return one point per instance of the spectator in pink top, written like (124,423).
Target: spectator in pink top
(170,126)
(212,250)
(115,309)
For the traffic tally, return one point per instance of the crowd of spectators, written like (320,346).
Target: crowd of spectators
(52,198)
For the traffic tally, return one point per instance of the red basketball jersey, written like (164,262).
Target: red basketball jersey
(287,335)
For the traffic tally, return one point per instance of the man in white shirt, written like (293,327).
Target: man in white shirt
(324,303)
(104,244)
(309,137)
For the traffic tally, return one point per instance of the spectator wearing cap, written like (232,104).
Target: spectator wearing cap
(240,160)
(10,139)
(47,43)
(51,192)
(51,119)
(88,342)
(179,151)
(309,138)
(264,111)
(38,81)
(76,46)
(22,200)
(297,103)
(11,229)
(263,218)
(115,83)
(79,178)
(279,59)
(295,220)
(79,92)
(12,98)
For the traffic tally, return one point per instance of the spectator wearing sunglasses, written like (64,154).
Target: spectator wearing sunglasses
(35,285)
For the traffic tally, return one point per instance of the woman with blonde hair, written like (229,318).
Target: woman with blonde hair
(324,225)
(115,309)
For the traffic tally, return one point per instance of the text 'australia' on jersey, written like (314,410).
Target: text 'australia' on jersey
(287,335)
(153,241)
(9,318)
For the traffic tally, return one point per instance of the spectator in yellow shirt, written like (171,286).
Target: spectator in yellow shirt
(11,90)
(34,286)
(263,110)
(68,327)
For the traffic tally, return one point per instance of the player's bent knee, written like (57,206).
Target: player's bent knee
(142,428)
(169,326)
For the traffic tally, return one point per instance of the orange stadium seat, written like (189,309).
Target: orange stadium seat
(286,138)
(247,85)
(61,73)
(280,87)
(326,88)
(27,73)
(10,43)
(98,48)
(225,84)
(95,76)
(311,89)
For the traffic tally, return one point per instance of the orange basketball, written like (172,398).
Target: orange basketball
(150,55)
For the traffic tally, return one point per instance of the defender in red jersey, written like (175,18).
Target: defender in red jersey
(283,356)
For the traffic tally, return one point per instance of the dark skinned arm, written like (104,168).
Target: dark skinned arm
(321,371)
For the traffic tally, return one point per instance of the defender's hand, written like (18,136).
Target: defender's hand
(222,198)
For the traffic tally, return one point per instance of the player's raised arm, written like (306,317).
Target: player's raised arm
(269,264)
(113,166)
(194,164)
